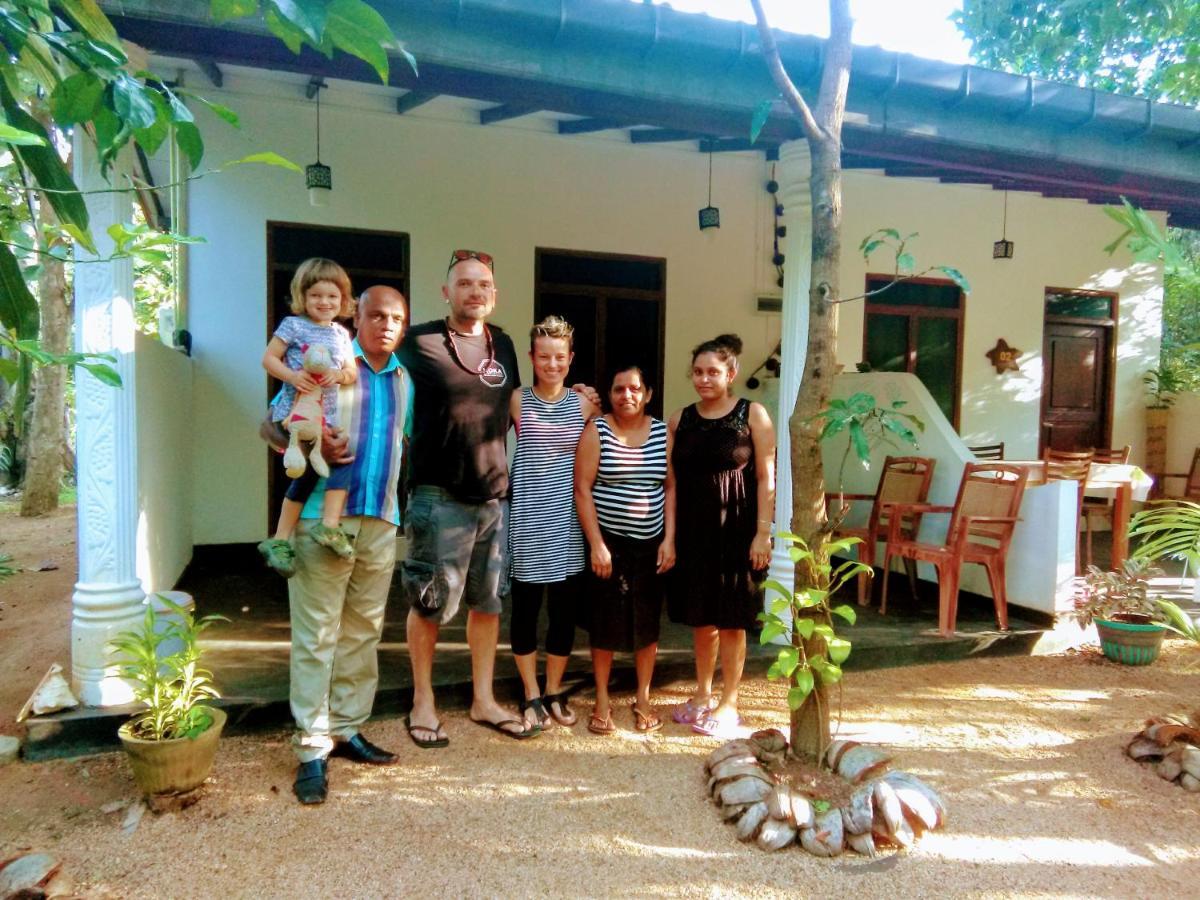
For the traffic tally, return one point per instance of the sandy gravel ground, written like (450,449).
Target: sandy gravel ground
(1027,753)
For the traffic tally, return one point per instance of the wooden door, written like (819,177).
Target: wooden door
(1076,394)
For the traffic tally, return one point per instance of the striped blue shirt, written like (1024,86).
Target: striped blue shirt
(375,413)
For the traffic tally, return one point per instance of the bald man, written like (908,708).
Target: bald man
(336,604)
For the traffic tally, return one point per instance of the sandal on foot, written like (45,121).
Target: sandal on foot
(333,539)
(522,734)
(644,723)
(598,724)
(690,713)
(539,713)
(563,715)
(439,739)
(279,555)
(711,726)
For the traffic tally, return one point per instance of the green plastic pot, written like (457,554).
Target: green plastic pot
(1134,643)
(175,766)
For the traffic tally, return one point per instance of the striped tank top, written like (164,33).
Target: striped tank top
(629,482)
(544,538)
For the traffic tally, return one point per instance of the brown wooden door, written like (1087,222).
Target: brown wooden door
(1076,391)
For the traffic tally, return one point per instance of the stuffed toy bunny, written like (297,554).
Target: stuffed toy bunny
(307,419)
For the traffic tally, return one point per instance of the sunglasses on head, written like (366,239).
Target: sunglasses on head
(462,255)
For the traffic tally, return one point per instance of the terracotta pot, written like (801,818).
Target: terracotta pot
(1130,638)
(175,766)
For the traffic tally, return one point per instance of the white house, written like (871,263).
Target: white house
(562,137)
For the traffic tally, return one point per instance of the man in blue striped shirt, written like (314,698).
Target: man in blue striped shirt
(337,605)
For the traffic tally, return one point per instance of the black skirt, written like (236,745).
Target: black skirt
(623,612)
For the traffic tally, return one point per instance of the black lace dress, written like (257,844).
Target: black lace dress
(716,506)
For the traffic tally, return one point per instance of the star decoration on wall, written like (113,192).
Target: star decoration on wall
(1004,357)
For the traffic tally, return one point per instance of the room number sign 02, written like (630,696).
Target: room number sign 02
(1004,357)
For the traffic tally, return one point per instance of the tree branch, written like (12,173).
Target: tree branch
(835,75)
(781,78)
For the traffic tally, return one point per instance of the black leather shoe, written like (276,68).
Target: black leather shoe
(359,749)
(312,782)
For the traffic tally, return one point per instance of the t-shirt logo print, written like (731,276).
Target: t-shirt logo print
(492,373)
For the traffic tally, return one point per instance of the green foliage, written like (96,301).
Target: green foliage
(868,426)
(1106,594)
(65,68)
(173,687)
(1164,382)
(7,567)
(1176,620)
(1143,47)
(758,121)
(806,614)
(1168,528)
(905,264)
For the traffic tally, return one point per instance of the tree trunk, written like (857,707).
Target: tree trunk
(47,431)
(810,726)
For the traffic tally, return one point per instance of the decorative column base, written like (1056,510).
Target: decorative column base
(101,612)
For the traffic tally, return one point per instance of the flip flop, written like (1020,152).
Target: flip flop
(540,712)
(645,723)
(426,743)
(565,715)
(689,713)
(601,724)
(710,726)
(515,735)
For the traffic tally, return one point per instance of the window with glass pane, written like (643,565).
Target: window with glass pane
(916,326)
(1079,304)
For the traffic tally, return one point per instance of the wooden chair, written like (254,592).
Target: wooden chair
(988,451)
(981,527)
(1102,507)
(1191,481)
(904,479)
(1071,465)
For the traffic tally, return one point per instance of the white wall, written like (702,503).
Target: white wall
(1058,243)
(165,435)
(515,186)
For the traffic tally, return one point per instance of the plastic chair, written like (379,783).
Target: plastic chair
(988,451)
(981,527)
(1102,507)
(1191,485)
(1072,466)
(904,479)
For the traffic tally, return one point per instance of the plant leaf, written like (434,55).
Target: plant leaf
(75,99)
(18,308)
(846,611)
(92,21)
(226,10)
(839,650)
(187,136)
(805,627)
(19,138)
(267,158)
(762,112)
(358,29)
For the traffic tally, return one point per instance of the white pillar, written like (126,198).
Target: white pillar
(108,596)
(793,178)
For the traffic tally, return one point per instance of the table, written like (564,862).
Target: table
(1121,483)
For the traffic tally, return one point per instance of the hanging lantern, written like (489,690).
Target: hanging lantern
(318,177)
(1003,248)
(710,216)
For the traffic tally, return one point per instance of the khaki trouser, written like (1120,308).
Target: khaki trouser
(337,616)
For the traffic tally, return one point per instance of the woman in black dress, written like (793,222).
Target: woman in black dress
(724,465)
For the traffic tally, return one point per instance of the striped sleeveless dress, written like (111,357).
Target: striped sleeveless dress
(544,537)
(629,482)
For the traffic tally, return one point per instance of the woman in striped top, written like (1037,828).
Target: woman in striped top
(625,495)
(544,539)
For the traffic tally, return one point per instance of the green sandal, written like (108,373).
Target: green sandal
(279,555)
(333,539)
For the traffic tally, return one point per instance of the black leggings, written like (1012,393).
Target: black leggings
(560,608)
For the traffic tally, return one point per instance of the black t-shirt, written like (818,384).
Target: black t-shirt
(460,414)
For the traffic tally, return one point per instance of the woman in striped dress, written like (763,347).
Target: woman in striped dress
(545,542)
(625,495)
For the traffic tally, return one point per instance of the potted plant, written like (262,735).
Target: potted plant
(170,745)
(1128,620)
(1162,384)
